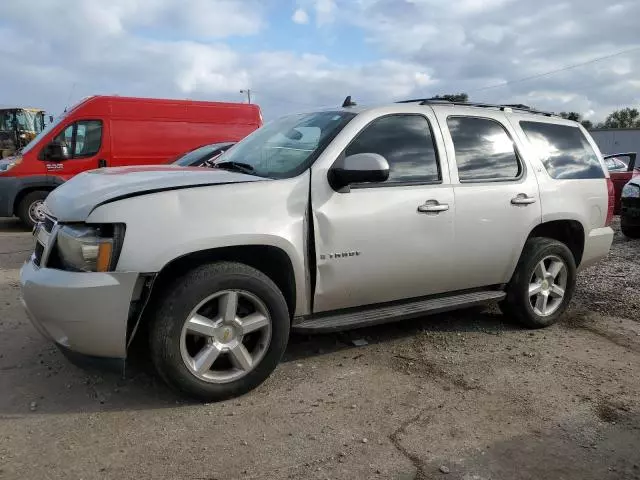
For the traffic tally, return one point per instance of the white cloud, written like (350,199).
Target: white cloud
(171,48)
(300,16)
(325,11)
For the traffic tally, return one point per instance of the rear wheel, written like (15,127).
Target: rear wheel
(220,331)
(629,230)
(542,285)
(31,208)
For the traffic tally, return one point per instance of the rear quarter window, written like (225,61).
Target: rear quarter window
(564,150)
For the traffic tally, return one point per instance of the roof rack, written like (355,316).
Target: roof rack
(503,107)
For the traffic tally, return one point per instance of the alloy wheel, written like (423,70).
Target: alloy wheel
(547,285)
(225,336)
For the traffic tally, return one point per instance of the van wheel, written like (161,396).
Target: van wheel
(542,285)
(31,208)
(219,331)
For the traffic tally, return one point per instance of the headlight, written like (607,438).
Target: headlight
(631,190)
(89,248)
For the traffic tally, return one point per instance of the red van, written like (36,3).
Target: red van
(104,131)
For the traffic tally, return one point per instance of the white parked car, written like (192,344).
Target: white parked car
(318,222)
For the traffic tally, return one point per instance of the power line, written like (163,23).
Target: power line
(551,72)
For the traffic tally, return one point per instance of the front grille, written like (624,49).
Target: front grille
(37,254)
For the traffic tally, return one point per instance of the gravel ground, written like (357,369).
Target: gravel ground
(466,395)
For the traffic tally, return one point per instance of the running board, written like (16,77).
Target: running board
(376,315)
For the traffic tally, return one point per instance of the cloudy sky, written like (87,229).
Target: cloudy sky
(298,54)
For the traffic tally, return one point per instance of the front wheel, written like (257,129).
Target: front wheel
(542,285)
(31,208)
(219,331)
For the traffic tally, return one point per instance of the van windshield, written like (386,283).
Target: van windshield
(286,147)
(43,133)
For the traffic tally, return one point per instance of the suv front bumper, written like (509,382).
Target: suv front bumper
(82,312)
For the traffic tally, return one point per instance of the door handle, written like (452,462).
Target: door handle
(102,163)
(522,199)
(433,206)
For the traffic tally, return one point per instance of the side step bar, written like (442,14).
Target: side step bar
(375,315)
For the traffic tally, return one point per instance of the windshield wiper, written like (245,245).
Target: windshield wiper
(237,166)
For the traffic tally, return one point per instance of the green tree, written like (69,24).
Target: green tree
(623,118)
(453,97)
(588,124)
(575,116)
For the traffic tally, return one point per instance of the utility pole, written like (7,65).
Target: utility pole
(248,92)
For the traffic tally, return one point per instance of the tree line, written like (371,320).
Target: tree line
(623,118)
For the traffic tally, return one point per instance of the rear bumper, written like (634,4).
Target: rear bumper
(9,187)
(597,246)
(84,313)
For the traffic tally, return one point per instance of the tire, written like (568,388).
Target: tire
(28,204)
(629,230)
(527,309)
(175,348)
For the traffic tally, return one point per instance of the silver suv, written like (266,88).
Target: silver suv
(317,222)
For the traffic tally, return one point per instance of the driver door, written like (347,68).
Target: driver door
(87,150)
(377,242)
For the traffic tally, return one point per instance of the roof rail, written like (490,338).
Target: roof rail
(503,107)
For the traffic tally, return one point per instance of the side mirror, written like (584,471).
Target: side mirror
(358,168)
(50,118)
(57,152)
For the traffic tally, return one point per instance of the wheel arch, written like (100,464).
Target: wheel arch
(33,184)
(273,261)
(569,232)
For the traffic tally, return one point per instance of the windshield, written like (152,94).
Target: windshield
(197,155)
(286,147)
(44,132)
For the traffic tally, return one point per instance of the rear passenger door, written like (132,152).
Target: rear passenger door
(386,241)
(496,196)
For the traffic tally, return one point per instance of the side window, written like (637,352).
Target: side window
(407,144)
(564,150)
(88,138)
(83,138)
(484,151)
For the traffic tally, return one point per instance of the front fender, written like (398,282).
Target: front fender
(164,226)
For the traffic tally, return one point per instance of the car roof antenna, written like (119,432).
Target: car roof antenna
(348,103)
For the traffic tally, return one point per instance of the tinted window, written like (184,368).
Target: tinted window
(88,138)
(406,142)
(484,150)
(564,150)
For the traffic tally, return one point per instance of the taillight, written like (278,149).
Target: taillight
(612,200)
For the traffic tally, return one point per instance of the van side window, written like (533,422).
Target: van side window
(483,149)
(563,150)
(83,138)
(407,144)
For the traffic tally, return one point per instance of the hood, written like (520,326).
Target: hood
(74,200)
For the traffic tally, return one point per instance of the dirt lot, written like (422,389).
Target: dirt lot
(466,393)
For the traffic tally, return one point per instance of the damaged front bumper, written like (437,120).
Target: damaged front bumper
(84,313)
